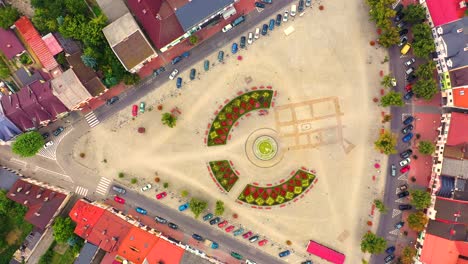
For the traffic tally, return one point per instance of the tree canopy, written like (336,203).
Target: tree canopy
(426,70)
(372,243)
(197,206)
(8,16)
(417,221)
(386,143)
(380,206)
(28,144)
(414,14)
(389,37)
(219,210)
(169,120)
(63,228)
(408,254)
(425,89)
(426,147)
(423,44)
(387,81)
(420,199)
(392,98)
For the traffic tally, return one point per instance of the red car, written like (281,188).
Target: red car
(134,110)
(405,169)
(230,228)
(247,235)
(223,224)
(161,195)
(408,87)
(119,199)
(262,242)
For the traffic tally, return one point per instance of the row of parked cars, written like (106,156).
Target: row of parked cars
(56,133)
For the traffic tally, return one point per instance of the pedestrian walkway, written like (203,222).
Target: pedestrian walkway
(103,186)
(81,191)
(91,119)
(50,152)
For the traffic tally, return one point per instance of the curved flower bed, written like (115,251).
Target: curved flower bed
(224,174)
(233,110)
(279,194)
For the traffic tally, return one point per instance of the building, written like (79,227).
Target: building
(198,13)
(129,43)
(46,98)
(113,9)
(86,75)
(8,130)
(451,44)
(445,11)
(12,110)
(70,91)
(30,105)
(10,45)
(440,250)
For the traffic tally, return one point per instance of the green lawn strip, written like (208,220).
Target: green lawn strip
(68,257)
(279,194)
(224,174)
(235,109)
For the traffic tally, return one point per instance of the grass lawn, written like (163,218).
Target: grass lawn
(54,253)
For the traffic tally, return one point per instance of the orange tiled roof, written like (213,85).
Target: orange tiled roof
(165,252)
(460,97)
(85,216)
(438,250)
(136,245)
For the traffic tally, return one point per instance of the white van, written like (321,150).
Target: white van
(293,10)
(227,28)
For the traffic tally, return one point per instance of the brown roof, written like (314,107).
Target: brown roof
(133,50)
(86,75)
(459,77)
(456,152)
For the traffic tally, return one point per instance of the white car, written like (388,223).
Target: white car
(48,144)
(285,16)
(250,38)
(173,74)
(227,28)
(405,162)
(146,187)
(411,61)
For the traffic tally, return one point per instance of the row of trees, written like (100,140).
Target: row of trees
(425,87)
(381,13)
(386,143)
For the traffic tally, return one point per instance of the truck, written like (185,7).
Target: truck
(210,244)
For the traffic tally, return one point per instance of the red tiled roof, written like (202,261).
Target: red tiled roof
(85,215)
(325,252)
(161,31)
(444,11)
(438,250)
(9,43)
(12,110)
(136,245)
(458,127)
(165,252)
(52,44)
(34,40)
(460,97)
(109,232)
(47,99)
(31,106)
(42,203)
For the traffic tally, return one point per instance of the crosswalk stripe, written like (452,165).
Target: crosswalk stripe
(395,212)
(91,119)
(81,191)
(103,185)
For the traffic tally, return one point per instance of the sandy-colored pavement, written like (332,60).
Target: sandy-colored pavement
(328,55)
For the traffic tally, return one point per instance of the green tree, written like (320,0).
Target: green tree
(169,120)
(92,35)
(28,144)
(131,78)
(389,37)
(372,243)
(426,71)
(426,147)
(423,44)
(8,16)
(89,61)
(4,70)
(387,81)
(380,206)
(63,228)
(417,221)
(197,206)
(414,14)
(407,255)
(43,21)
(392,98)
(219,209)
(425,89)
(381,12)
(386,143)
(184,193)
(73,27)
(165,185)
(420,199)
(193,39)
(76,6)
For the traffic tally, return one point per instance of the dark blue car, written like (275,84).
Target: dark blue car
(408,120)
(185,54)
(179,82)
(176,60)
(272,24)
(390,250)
(407,137)
(234,48)
(264,29)
(284,253)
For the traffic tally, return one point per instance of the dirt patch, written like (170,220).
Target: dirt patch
(24,6)
(61,248)
(13,236)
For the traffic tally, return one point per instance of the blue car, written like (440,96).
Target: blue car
(141,211)
(284,253)
(176,60)
(408,120)
(272,24)
(407,137)
(264,29)
(185,54)
(220,56)
(179,82)
(184,207)
(214,245)
(234,48)
(390,250)
(197,237)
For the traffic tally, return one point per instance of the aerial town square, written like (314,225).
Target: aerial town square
(222,131)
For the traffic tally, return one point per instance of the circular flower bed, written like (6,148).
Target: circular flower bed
(265,148)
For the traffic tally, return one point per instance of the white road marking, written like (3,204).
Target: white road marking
(395,212)
(103,186)
(39,169)
(50,152)
(19,162)
(81,191)
(91,119)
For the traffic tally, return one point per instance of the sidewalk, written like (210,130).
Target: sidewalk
(41,247)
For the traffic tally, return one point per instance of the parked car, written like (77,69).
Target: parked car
(254,238)
(184,207)
(267,1)
(271,25)
(161,195)
(405,169)
(236,255)
(409,62)
(227,28)
(409,87)
(173,226)
(238,231)
(142,107)
(390,250)
(160,220)
(403,32)
(112,100)
(404,207)
(48,144)
(207,217)
(408,120)
(307,261)
(141,211)
(206,65)
(262,242)
(229,228)
(250,38)
(393,82)
(118,189)
(159,71)
(403,41)
(197,237)
(408,95)
(176,60)
(403,194)
(215,220)
(257,33)
(407,137)
(173,74)
(284,253)
(279,18)
(389,258)
(179,82)
(45,135)
(308,3)
(405,154)
(393,170)
(405,162)
(118,199)
(409,70)
(398,8)
(399,16)
(300,7)
(242,42)
(234,48)
(259,5)
(402,24)
(403,187)
(58,131)
(264,29)
(220,56)
(134,110)
(223,224)
(407,129)
(185,54)
(193,74)
(285,16)
(410,78)
(247,235)
(146,187)
(248,261)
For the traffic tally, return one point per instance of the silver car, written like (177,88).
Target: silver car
(285,16)
(118,189)
(405,162)
(146,187)
(173,74)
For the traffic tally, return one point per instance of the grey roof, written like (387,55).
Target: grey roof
(7,179)
(8,130)
(87,254)
(69,90)
(455,168)
(113,9)
(26,78)
(196,11)
(461,190)
(454,26)
(456,39)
